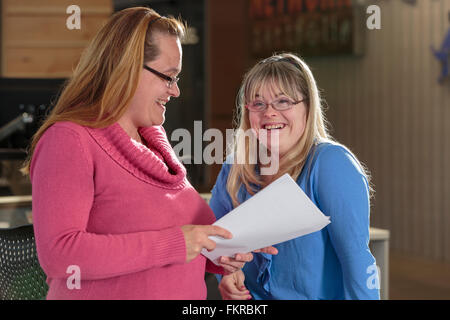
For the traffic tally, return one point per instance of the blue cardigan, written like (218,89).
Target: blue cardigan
(334,263)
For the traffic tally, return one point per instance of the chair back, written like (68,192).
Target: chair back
(21,276)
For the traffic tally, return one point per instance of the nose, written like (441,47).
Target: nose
(270,111)
(174,91)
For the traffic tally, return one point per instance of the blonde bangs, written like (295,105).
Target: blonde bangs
(276,79)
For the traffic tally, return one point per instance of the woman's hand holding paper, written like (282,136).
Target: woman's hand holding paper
(269,250)
(232,287)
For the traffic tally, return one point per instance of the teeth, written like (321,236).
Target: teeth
(274,126)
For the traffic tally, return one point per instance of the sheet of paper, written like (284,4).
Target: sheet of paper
(278,213)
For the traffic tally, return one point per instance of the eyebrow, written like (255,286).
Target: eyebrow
(277,95)
(173,70)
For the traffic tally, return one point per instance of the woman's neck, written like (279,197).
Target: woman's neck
(132,131)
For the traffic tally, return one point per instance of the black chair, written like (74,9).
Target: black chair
(21,276)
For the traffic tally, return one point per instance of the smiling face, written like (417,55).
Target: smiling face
(289,124)
(147,107)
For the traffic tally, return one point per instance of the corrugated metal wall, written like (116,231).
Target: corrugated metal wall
(389,108)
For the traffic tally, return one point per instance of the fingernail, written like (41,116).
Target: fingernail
(249,297)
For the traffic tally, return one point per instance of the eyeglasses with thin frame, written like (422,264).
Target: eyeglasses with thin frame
(170,81)
(281,104)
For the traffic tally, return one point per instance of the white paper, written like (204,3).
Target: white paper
(278,213)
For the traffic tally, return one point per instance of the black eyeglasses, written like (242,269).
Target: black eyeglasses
(170,80)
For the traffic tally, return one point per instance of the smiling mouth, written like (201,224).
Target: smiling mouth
(277,126)
(161,103)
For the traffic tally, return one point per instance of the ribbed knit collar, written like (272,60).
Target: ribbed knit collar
(140,160)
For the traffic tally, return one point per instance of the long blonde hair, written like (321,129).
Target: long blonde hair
(292,76)
(106,77)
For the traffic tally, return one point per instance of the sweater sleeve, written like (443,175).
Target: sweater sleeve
(212,268)
(342,193)
(62,175)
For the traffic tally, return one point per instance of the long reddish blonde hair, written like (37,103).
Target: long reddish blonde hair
(106,77)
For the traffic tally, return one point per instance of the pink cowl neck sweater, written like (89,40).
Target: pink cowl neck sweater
(111,208)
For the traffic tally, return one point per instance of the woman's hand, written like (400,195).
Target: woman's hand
(231,265)
(232,287)
(196,238)
(269,250)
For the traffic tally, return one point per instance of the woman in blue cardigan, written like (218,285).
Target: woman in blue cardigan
(280,104)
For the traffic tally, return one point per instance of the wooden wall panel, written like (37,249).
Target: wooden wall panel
(32,5)
(49,30)
(41,62)
(35,42)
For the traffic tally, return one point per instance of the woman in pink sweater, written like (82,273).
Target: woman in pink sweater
(112,207)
